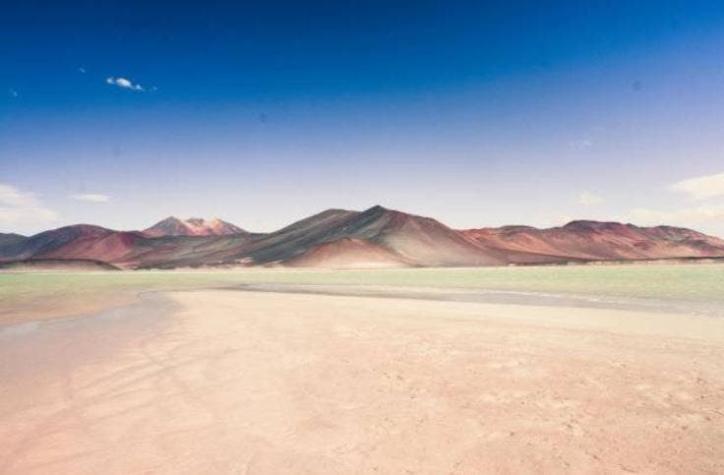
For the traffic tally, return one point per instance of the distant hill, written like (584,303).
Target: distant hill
(594,240)
(126,249)
(376,237)
(8,239)
(173,226)
(81,241)
(9,242)
(411,239)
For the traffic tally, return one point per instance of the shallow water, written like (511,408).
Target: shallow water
(704,307)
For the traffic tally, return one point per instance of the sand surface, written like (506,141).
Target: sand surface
(219,381)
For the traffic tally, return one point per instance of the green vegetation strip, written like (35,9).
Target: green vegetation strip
(694,282)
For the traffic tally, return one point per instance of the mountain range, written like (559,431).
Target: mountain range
(336,238)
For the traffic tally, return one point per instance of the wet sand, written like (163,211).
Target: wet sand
(62,307)
(217,381)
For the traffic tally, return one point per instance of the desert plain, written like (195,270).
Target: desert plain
(562,369)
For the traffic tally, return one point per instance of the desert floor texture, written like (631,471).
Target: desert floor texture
(271,382)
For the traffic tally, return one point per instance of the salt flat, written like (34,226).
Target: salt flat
(224,381)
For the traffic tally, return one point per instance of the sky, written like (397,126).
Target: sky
(120,113)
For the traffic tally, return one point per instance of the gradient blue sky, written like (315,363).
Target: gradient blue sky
(476,113)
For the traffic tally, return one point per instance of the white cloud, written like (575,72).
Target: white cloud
(587,198)
(703,187)
(82,70)
(13,93)
(685,216)
(124,83)
(11,196)
(19,208)
(91,197)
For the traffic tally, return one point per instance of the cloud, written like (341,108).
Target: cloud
(13,93)
(91,197)
(82,70)
(21,208)
(124,83)
(587,198)
(685,216)
(701,188)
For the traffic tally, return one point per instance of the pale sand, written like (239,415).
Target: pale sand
(246,382)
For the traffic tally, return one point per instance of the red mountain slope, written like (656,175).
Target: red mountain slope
(595,240)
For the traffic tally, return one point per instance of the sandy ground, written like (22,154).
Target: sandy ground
(248,382)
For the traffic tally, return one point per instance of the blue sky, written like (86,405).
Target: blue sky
(476,113)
